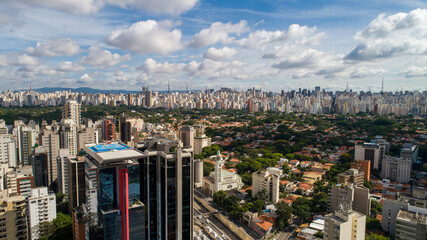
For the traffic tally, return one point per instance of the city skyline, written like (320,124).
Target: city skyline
(211,44)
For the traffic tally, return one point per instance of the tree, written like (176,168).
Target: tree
(368,184)
(319,202)
(207,168)
(219,197)
(374,236)
(262,195)
(319,234)
(301,207)
(373,224)
(63,227)
(375,208)
(299,191)
(284,214)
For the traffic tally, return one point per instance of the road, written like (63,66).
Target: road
(209,200)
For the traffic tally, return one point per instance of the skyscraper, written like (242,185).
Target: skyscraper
(125,130)
(40,166)
(121,213)
(71,110)
(76,182)
(41,209)
(187,136)
(345,224)
(167,189)
(371,151)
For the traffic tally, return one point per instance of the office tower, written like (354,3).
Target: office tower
(130,101)
(370,151)
(344,224)
(71,110)
(250,105)
(108,130)
(40,166)
(50,141)
(76,182)
(125,130)
(26,139)
(201,140)
(3,127)
(63,155)
(86,136)
(364,166)
(41,209)
(350,191)
(187,136)
(198,173)
(411,225)
(13,218)
(91,191)
(396,169)
(20,181)
(68,134)
(167,192)
(391,210)
(410,151)
(121,213)
(8,151)
(269,181)
(80,223)
(148,99)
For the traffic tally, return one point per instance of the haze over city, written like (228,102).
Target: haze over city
(275,45)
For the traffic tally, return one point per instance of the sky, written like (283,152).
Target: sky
(270,44)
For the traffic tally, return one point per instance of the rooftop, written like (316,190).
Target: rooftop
(111,152)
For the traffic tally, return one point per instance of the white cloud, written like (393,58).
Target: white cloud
(218,32)
(55,47)
(147,37)
(68,66)
(363,72)
(296,34)
(414,71)
(31,71)
(394,35)
(172,7)
(219,54)
(99,57)
(213,69)
(152,67)
(85,79)
(25,60)
(3,61)
(72,6)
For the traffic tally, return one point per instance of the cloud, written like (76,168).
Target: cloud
(31,71)
(363,72)
(150,66)
(99,57)
(85,79)
(71,6)
(54,47)
(219,54)
(68,66)
(414,71)
(172,7)
(24,60)
(218,32)
(394,35)
(213,69)
(296,34)
(309,58)
(147,37)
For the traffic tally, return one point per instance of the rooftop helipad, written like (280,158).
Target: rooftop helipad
(109,147)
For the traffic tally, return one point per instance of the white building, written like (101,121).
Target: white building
(370,151)
(396,169)
(41,208)
(8,151)
(71,110)
(345,224)
(221,179)
(268,180)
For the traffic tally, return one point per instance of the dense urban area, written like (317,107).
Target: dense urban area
(304,164)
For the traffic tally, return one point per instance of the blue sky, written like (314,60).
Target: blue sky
(283,44)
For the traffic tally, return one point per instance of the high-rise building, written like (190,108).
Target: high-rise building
(108,130)
(26,139)
(148,99)
(41,209)
(364,166)
(198,173)
(68,134)
(374,152)
(76,182)
(350,191)
(391,209)
(50,141)
(187,136)
(63,155)
(41,167)
(86,136)
(71,110)
(201,140)
(13,218)
(396,169)
(266,180)
(410,151)
(166,189)
(120,211)
(80,223)
(344,224)
(20,181)
(125,130)
(411,225)
(8,151)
